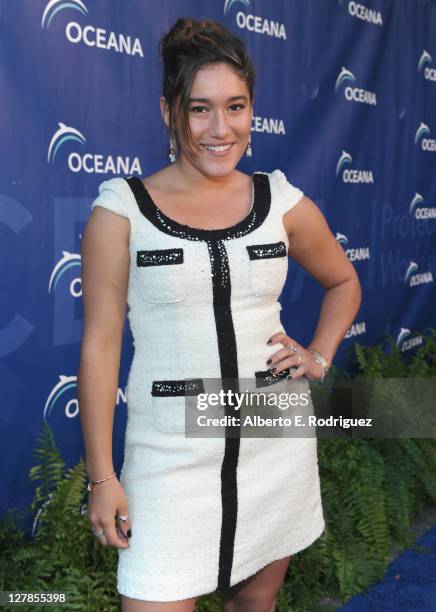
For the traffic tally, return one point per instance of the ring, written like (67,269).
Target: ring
(94,531)
(122,517)
(299,360)
(292,348)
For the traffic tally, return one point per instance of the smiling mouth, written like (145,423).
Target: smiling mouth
(218,148)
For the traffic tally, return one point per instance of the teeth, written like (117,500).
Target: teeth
(216,148)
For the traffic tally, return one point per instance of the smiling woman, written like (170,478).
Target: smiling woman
(199,253)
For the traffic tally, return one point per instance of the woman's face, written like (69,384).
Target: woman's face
(220,113)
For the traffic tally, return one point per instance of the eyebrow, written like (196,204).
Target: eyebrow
(208,99)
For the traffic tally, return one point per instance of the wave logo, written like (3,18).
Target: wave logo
(360,11)
(90,35)
(57,395)
(354,254)
(56,6)
(229,3)
(63,134)
(68,262)
(354,94)
(255,23)
(427,144)
(405,340)
(350,175)
(421,212)
(424,66)
(89,162)
(412,280)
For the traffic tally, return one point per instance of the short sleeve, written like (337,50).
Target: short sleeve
(111,196)
(287,195)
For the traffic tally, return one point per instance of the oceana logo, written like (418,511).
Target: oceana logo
(67,262)
(360,11)
(357,329)
(353,254)
(268,124)
(427,144)
(255,23)
(421,212)
(90,35)
(412,280)
(424,66)
(405,341)
(354,94)
(92,163)
(350,175)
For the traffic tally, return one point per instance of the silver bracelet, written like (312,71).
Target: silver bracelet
(321,361)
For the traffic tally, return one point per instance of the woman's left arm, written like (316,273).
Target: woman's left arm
(315,248)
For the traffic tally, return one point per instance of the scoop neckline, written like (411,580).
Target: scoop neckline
(260,201)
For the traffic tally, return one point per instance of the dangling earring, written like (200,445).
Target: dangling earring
(249,151)
(172,154)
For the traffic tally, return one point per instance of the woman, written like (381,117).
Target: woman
(198,251)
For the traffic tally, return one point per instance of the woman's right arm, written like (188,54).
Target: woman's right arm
(105,273)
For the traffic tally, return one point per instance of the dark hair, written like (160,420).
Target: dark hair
(187,46)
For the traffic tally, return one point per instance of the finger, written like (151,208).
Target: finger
(124,524)
(98,532)
(113,537)
(289,342)
(298,372)
(276,337)
(282,354)
(295,360)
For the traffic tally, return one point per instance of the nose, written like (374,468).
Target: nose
(219,127)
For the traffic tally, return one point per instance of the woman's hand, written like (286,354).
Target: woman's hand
(106,503)
(302,358)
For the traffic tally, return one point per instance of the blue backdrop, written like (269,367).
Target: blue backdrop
(345,106)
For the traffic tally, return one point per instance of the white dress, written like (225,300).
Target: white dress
(207,512)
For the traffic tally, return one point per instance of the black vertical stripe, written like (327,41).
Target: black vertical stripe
(221,288)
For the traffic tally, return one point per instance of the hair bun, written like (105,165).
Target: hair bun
(183,31)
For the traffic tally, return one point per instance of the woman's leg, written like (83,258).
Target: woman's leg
(258,592)
(138,605)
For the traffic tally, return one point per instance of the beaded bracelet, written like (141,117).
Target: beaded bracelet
(321,361)
(91,483)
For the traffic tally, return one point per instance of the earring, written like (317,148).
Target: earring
(249,151)
(172,154)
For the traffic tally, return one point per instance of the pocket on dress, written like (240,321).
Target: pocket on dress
(169,405)
(162,275)
(268,267)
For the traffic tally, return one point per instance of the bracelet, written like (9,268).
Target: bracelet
(91,483)
(321,361)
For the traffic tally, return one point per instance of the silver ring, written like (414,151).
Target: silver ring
(122,517)
(94,531)
(292,348)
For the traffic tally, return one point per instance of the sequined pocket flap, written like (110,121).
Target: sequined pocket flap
(266,251)
(159,257)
